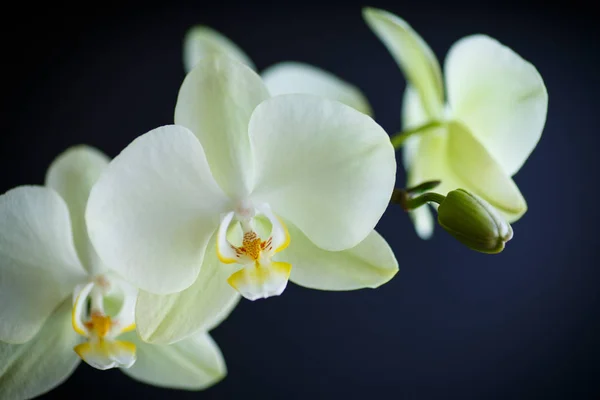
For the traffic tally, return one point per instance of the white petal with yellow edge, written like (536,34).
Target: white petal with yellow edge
(194,363)
(499,96)
(279,236)
(226,252)
(369,264)
(39,263)
(107,353)
(47,360)
(203,42)
(152,213)
(294,77)
(72,174)
(80,309)
(323,166)
(413,55)
(201,307)
(215,102)
(261,281)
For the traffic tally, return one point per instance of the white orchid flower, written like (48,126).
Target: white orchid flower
(282,78)
(493,119)
(59,304)
(245,192)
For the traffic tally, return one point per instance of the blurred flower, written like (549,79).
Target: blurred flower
(187,208)
(58,300)
(494,116)
(282,78)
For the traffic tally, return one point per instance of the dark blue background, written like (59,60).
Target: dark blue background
(452,323)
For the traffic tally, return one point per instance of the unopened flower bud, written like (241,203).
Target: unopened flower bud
(474,222)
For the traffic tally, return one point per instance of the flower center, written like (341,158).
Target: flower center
(260,276)
(99,324)
(89,319)
(252,245)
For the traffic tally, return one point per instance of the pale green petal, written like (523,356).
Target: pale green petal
(413,113)
(413,116)
(481,174)
(215,102)
(424,221)
(413,55)
(294,77)
(452,155)
(204,42)
(369,264)
(152,213)
(499,96)
(39,267)
(201,307)
(72,174)
(430,161)
(38,366)
(194,363)
(323,166)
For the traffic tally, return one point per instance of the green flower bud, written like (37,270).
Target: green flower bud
(474,222)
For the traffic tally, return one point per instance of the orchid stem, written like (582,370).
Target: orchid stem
(401,197)
(423,187)
(399,139)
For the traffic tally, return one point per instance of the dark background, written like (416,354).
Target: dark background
(452,323)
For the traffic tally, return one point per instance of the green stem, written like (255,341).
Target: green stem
(422,187)
(399,138)
(401,197)
(425,198)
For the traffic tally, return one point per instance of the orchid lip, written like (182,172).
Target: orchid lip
(260,276)
(102,350)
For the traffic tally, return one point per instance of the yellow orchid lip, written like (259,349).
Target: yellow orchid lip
(261,281)
(260,276)
(105,354)
(102,350)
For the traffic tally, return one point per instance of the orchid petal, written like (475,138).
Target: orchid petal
(481,174)
(152,213)
(453,156)
(423,221)
(413,55)
(203,42)
(261,281)
(72,174)
(323,166)
(294,77)
(369,264)
(107,353)
(31,369)
(39,266)
(215,102)
(499,96)
(413,116)
(166,319)
(194,363)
